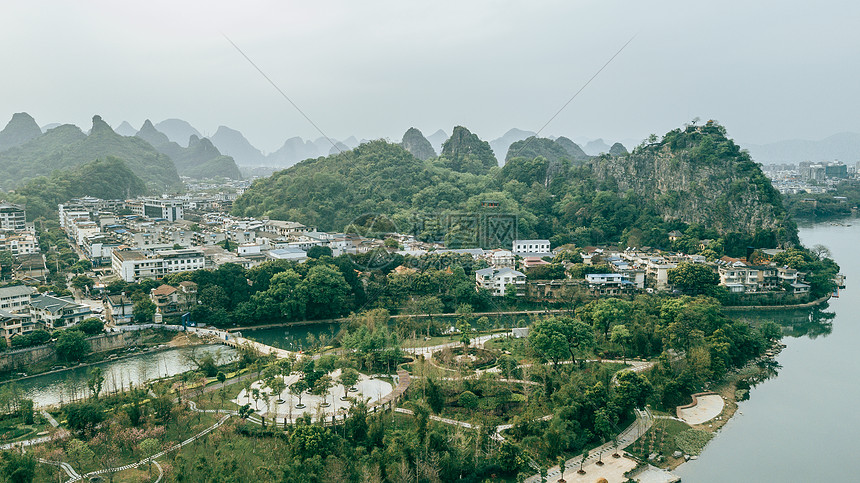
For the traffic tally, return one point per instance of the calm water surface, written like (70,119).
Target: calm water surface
(803,425)
(72,384)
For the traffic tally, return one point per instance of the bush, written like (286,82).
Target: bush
(91,326)
(468,400)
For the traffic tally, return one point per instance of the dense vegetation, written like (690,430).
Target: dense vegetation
(607,200)
(67,147)
(838,203)
(108,178)
(20,129)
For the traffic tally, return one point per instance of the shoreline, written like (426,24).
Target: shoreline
(152,350)
(750,308)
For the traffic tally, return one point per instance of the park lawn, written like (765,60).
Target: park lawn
(13,429)
(439,340)
(212,400)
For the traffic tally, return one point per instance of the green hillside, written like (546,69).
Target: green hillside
(20,129)
(695,180)
(67,147)
(108,178)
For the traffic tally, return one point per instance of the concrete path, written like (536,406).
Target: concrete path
(707,408)
(53,422)
(643,422)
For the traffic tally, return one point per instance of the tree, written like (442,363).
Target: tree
(83,283)
(277,384)
(83,416)
(79,452)
(557,337)
(25,410)
(149,447)
(96,382)
(468,400)
(18,468)
(348,378)
(621,335)
(321,388)
(144,309)
(693,278)
(71,346)
(298,388)
(319,251)
(326,292)
(91,326)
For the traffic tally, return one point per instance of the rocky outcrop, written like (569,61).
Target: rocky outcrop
(618,149)
(232,143)
(698,176)
(150,134)
(573,149)
(466,152)
(415,142)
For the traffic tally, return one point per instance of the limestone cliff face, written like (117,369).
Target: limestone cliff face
(698,176)
(415,142)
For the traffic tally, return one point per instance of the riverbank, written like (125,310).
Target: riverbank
(752,308)
(154,347)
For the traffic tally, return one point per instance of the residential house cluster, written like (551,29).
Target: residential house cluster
(741,276)
(19,239)
(23,310)
(148,238)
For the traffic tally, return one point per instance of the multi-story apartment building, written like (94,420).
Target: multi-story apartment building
(12,217)
(16,298)
(135,265)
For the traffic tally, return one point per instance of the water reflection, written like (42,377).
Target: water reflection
(811,323)
(63,387)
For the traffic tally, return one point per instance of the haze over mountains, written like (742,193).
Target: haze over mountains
(28,151)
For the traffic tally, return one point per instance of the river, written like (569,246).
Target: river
(797,426)
(64,386)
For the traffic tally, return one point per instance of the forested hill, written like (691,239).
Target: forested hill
(694,180)
(67,147)
(699,176)
(108,178)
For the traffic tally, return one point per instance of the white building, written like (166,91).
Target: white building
(134,265)
(293,254)
(12,217)
(532,248)
(55,312)
(18,243)
(502,258)
(16,298)
(496,280)
(284,228)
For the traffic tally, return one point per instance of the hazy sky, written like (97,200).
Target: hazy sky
(768,70)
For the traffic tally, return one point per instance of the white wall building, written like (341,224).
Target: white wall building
(497,280)
(532,248)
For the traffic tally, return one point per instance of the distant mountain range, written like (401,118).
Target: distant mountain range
(26,154)
(844,147)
